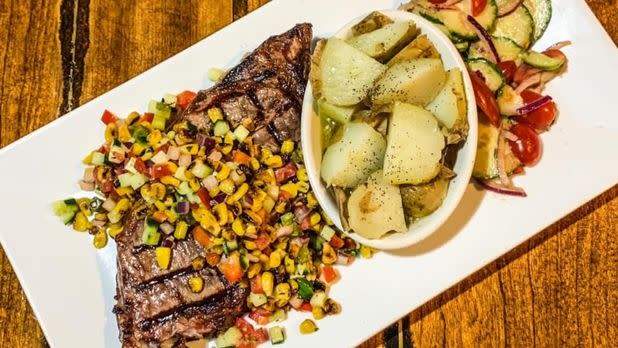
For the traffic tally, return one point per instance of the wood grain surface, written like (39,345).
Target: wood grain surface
(559,289)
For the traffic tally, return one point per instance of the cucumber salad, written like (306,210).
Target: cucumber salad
(392,119)
(495,38)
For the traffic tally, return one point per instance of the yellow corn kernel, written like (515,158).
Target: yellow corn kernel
(164,256)
(124,191)
(189,175)
(160,205)
(255,217)
(194,185)
(170,180)
(315,219)
(88,159)
(100,239)
(171,215)
(157,191)
(230,215)
(287,147)
(274,161)
(196,283)
(137,149)
(242,190)
(238,228)
(81,223)
(301,174)
(228,138)
(308,327)
(190,149)
(290,188)
(266,153)
(264,260)
(201,152)
(123,132)
(366,252)
(274,260)
(303,186)
(84,206)
(293,284)
(227,186)
(255,164)
(329,255)
(114,230)
(289,265)
(215,114)
(281,246)
(227,149)
(282,294)
(327,220)
(250,245)
(111,131)
(318,313)
(218,241)
(251,230)
(154,137)
(121,207)
(281,208)
(133,116)
(253,270)
(311,201)
(223,172)
(268,283)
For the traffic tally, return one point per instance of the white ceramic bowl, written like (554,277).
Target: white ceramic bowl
(310,135)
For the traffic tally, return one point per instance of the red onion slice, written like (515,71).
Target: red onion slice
(484,36)
(509,136)
(528,82)
(559,45)
(183,207)
(508,8)
(501,189)
(534,105)
(448,3)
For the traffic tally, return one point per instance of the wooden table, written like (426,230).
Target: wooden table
(558,289)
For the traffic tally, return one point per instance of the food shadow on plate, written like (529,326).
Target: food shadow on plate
(466,209)
(106,265)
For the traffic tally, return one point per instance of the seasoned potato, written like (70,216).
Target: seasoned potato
(373,21)
(347,74)
(420,47)
(315,74)
(415,145)
(348,162)
(422,200)
(375,208)
(384,43)
(416,81)
(450,107)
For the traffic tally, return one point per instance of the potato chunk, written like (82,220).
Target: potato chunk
(384,43)
(450,107)
(375,20)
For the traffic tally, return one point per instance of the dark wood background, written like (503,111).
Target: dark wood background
(560,289)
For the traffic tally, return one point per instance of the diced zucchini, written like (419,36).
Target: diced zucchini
(98,158)
(140,134)
(507,50)
(509,101)
(230,245)
(517,26)
(66,210)
(541,11)
(384,43)
(159,108)
(277,335)
(327,233)
(151,234)
(486,165)
(318,299)
(340,114)
(241,133)
(221,128)
(158,122)
(201,170)
(542,61)
(230,338)
(492,74)
(257,299)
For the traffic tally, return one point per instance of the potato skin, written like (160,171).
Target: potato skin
(373,21)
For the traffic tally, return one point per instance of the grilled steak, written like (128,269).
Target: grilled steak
(155,307)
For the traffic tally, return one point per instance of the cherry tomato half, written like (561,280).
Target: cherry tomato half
(485,99)
(528,147)
(540,118)
(478,6)
(508,68)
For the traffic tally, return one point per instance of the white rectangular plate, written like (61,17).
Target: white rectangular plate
(71,286)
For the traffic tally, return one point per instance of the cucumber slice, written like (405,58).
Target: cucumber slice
(541,61)
(454,21)
(486,165)
(509,101)
(541,11)
(505,5)
(518,26)
(462,46)
(231,338)
(507,50)
(151,235)
(220,128)
(66,210)
(492,74)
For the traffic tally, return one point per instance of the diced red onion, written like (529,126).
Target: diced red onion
(485,38)
(183,207)
(301,212)
(109,204)
(534,105)
(166,227)
(247,201)
(86,186)
(98,223)
(201,139)
(168,242)
(509,8)
(509,136)
(284,231)
(209,144)
(88,174)
(173,153)
(498,188)
(215,156)
(220,198)
(343,259)
(296,302)
(210,182)
(184,160)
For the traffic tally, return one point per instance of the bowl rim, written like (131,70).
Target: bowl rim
(456,189)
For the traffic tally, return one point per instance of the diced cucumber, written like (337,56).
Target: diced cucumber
(229,246)
(277,336)
(98,158)
(151,234)
(327,233)
(509,101)
(486,165)
(541,11)
(159,108)
(184,188)
(66,210)
(456,23)
(244,263)
(220,128)
(257,299)
(507,50)
(158,122)
(492,74)
(140,134)
(169,99)
(241,133)
(340,114)
(542,61)
(134,180)
(517,26)
(230,338)
(201,170)
(462,46)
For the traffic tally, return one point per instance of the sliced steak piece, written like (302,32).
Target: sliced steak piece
(264,92)
(156,307)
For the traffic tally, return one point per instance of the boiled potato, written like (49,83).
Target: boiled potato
(347,74)
(375,20)
(315,74)
(415,145)
(420,47)
(450,107)
(340,114)
(416,81)
(384,43)
(421,200)
(375,208)
(348,162)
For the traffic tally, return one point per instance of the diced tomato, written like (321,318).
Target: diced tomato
(305,307)
(350,244)
(146,118)
(244,326)
(140,166)
(202,237)
(260,316)
(329,273)
(284,195)
(261,335)
(204,196)
(542,118)
(485,99)
(263,241)
(108,117)
(184,99)
(336,242)
(213,259)
(241,158)
(508,68)
(160,170)
(256,285)
(305,224)
(107,186)
(528,147)
(283,174)
(231,268)
(478,6)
